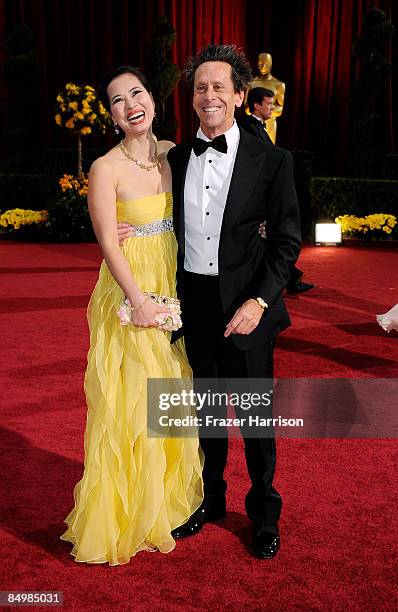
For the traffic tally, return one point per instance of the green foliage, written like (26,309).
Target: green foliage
(164,84)
(368,96)
(68,219)
(20,72)
(164,76)
(47,163)
(331,197)
(376,30)
(390,166)
(25,191)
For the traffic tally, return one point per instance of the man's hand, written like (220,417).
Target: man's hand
(124,231)
(245,319)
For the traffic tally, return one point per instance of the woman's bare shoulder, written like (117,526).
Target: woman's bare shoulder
(105,162)
(164,146)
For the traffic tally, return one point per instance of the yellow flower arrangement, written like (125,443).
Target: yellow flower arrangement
(102,109)
(18,216)
(68,216)
(78,184)
(78,109)
(376,223)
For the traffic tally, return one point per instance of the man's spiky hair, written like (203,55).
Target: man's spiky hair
(241,71)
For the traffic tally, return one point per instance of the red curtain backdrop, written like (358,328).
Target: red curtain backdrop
(310,41)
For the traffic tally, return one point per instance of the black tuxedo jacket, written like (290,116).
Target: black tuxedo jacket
(262,187)
(254,127)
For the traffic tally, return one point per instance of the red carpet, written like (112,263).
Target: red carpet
(339,526)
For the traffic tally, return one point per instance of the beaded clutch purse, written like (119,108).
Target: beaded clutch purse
(164,300)
(167,321)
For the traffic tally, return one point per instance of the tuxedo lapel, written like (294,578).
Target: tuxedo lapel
(179,175)
(248,165)
(258,126)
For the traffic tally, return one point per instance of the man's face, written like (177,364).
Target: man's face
(264,110)
(214,97)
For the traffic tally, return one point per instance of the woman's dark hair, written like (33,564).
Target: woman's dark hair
(241,71)
(112,74)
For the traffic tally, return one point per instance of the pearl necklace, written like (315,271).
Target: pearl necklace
(156,161)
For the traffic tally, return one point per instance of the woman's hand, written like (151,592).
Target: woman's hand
(261,230)
(144,316)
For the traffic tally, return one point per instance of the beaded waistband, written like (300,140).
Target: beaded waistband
(150,229)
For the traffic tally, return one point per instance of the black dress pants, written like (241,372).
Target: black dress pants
(294,277)
(213,356)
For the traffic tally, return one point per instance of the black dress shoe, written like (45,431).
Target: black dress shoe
(265,544)
(204,514)
(299,287)
(296,274)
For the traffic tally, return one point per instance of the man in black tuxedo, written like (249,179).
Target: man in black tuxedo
(261,104)
(230,281)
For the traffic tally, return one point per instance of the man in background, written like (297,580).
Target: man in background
(261,104)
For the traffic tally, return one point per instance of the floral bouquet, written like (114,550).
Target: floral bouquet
(68,216)
(80,110)
(77,184)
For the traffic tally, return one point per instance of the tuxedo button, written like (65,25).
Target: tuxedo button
(210,264)
(207,213)
(207,186)
(210,161)
(208,237)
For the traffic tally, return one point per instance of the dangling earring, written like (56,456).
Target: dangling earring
(115,125)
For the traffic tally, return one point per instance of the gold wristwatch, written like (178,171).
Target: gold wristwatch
(261,303)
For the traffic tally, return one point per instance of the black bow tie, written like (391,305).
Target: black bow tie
(219,143)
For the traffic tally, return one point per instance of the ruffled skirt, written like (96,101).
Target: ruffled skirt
(134,489)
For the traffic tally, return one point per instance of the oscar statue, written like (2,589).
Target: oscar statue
(267,80)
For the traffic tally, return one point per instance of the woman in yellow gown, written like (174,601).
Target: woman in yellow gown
(135,489)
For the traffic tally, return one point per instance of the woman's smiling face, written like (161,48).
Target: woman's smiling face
(131,105)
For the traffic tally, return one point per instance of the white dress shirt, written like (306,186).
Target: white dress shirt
(205,194)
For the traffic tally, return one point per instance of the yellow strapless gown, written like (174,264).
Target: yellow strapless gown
(134,489)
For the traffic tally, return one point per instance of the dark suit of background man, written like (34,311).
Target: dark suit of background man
(230,281)
(261,104)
